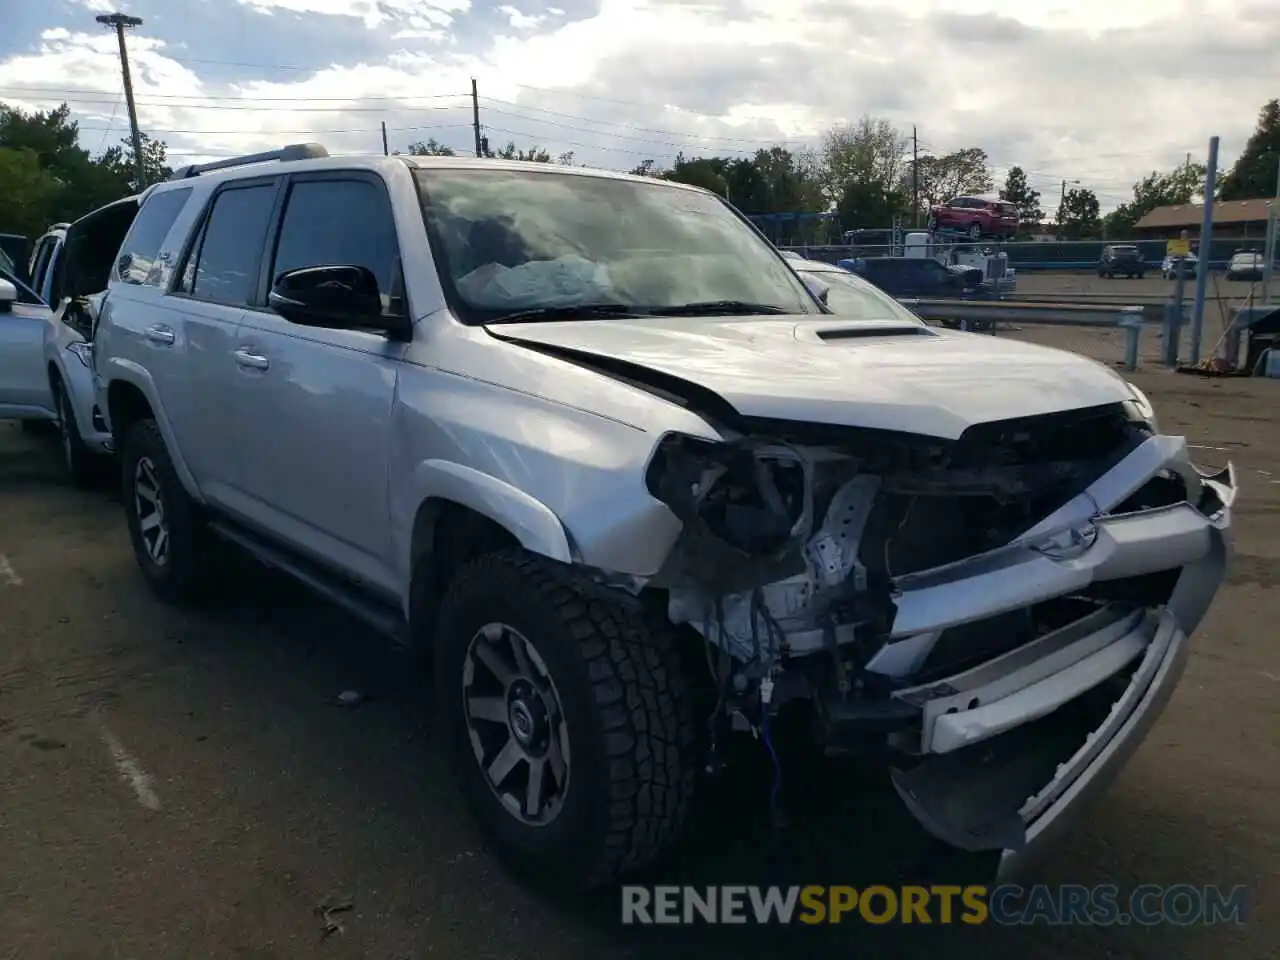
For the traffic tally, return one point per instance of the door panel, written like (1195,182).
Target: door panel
(313,409)
(313,405)
(24,384)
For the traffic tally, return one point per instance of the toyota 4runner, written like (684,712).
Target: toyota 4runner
(588,441)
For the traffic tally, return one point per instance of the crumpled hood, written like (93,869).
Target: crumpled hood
(879,374)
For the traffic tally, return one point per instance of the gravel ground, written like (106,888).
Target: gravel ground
(181,784)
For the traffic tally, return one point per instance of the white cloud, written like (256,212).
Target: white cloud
(521,21)
(1097,90)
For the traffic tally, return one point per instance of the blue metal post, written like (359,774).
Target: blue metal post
(1206,241)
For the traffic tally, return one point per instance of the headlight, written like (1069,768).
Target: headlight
(1141,407)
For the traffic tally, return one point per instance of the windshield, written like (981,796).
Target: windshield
(511,240)
(850,296)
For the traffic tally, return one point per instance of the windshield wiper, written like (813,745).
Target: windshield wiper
(569,311)
(710,308)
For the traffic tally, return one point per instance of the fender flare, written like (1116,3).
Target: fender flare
(120,370)
(529,520)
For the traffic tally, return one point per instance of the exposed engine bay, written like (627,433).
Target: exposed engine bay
(912,588)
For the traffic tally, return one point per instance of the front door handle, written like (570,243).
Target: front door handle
(251,360)
(159,334)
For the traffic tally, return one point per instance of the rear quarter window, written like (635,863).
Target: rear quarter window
(137,262)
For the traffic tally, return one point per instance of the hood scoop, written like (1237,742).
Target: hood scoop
(876,330)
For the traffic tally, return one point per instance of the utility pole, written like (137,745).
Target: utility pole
(385,151)
(915,178)
(475,117)
(118,22)
(1269,245)
(1206,243)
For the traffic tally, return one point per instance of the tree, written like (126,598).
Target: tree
(862,166)
(646,168)
(511,152)
(1181,185)
(430,148)
(705,172)
(28,192)
(1078,215)
(119,160)
(1254,174)
(81,183)
(952,175)
(1018,192)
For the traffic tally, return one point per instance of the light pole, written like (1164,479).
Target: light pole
(118,22)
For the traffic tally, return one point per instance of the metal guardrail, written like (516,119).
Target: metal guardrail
(1130,319)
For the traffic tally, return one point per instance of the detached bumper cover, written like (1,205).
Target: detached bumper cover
(989,778)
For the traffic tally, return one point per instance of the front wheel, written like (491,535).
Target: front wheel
(78,460)
(566,719)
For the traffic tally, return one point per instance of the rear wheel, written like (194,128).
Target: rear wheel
(170,540)
(566,719)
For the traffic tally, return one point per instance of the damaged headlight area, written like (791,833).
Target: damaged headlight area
(794,541)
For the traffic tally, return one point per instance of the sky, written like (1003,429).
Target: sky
(1096,91)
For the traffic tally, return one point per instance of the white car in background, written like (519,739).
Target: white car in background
(46,335)
(1169,267)
(1245,265)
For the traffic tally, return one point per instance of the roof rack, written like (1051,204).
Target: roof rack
(294,151)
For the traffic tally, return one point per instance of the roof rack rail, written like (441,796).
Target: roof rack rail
(294,151)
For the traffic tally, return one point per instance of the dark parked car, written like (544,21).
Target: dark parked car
(919,278)
(975,216)
(1123,259)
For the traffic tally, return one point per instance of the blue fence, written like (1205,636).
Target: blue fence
(1059,255)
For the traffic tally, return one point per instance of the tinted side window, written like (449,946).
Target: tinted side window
(338,222)
(224,267)
(142,244)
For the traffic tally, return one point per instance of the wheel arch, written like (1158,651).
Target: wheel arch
(463,513)
(131,396)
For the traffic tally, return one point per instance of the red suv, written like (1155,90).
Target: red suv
(976,217)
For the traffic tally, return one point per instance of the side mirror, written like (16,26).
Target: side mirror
(816,287)
(8,294)
(333,296)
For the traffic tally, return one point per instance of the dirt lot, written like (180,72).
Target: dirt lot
(1149,287)
(181,785)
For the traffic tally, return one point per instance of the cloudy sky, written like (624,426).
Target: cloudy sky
(1099,91)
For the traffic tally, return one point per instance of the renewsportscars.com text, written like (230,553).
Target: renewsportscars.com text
(1009,905)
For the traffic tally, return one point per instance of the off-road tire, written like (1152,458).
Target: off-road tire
(625,699)
(189,572)
(77,459)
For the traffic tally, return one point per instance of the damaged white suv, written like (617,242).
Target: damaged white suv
(592,443)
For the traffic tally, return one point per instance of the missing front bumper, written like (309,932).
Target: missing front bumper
(1013,748)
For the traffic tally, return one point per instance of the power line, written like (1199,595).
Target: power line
(629,126)
(611,134)
(202,96)
(154,131)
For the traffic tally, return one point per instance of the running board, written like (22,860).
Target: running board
(383,617)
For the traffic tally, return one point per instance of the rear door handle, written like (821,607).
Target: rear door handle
(251,360)
(159,334)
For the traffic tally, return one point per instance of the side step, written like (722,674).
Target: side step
(381,616)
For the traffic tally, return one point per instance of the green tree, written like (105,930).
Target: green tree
(512,152)
(705,172)
(430,148)
(28,192)
(1018,191)
(1180,185)
(1254,174)
(862,167)
(1078,215)
(119,162)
